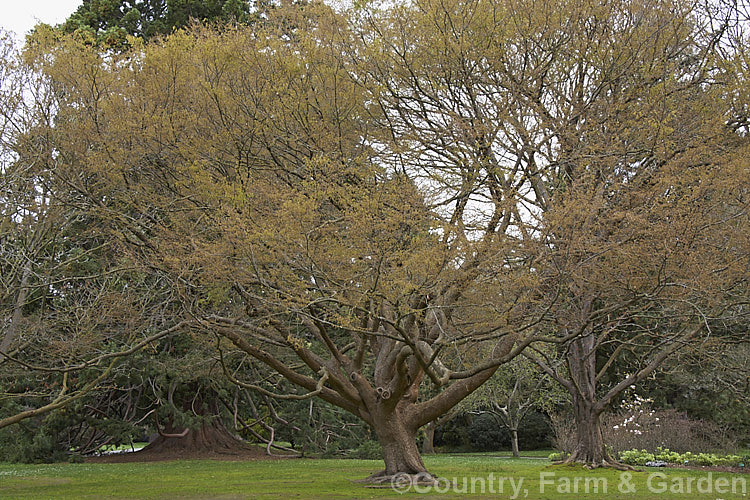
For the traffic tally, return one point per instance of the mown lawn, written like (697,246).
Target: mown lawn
(326,479)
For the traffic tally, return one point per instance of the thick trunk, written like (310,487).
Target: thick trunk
(590,449)
(428,445)
(400,452)
(514,442)
(212,437)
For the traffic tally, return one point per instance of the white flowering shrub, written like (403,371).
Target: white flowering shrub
(637,425)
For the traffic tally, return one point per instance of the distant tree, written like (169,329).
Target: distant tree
(515,390)
(110,22)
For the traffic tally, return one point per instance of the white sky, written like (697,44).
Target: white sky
(20,16)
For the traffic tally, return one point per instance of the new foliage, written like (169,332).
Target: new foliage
(421,191)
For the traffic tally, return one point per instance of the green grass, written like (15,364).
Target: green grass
(504,453)
(331,479)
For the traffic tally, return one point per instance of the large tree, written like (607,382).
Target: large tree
(242,165)
(600,137)
(422,192)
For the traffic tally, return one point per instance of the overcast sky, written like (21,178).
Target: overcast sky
(20,16)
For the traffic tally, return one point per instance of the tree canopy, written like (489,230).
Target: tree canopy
(110,22)
(384,205)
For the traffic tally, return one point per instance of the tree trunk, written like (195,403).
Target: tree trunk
(590,449)
(514,442)
(400,452)
(12,330)
(211,438)
(428,445)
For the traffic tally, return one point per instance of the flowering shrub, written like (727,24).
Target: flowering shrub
(625,429)
(638,426)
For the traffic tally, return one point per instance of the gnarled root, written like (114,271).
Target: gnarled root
(401,481)
(606,462)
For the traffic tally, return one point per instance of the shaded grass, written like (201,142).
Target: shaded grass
(505,453)
(326,479)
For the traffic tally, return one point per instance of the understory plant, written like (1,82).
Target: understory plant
(666,456)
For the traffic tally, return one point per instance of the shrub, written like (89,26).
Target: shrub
(453,434)
(563,432)
(368,450)
(31,442)
(652,429)
(535,432)
(487,434)
(638,426)
(636,457)
(42,439)
(643,457)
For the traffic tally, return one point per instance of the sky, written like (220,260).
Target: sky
(20,16)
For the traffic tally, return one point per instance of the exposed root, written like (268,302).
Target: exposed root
(606,462)
(400,480)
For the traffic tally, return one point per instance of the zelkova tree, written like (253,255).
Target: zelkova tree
(420,192)
(606,140)
(647,241)
(243,164)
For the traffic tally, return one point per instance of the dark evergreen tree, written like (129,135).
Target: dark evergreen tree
(110,22)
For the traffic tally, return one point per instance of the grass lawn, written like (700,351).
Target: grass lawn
(330,479)
(505,453)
